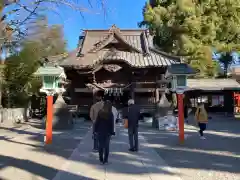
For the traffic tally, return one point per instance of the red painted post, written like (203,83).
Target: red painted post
(238,99)
(49,119)
(180,116)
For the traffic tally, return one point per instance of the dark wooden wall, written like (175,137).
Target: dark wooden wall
(228,100)
(143,78)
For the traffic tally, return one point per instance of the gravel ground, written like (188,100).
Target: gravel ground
(216,158)
(23,155)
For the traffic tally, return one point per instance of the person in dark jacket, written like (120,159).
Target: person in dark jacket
(132,114)
(104,128)
(93,115)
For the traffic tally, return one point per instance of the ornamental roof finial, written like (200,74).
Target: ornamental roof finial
(114,29)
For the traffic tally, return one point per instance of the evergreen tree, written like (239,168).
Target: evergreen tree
(226,59)
(193,28)
(18,73)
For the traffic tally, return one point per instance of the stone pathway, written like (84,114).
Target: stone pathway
(216,158)
(143,165)
(23,155)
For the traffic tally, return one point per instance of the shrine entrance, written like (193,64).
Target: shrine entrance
(118,96)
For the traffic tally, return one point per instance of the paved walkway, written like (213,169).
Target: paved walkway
(23,155)
(143,165)
(216,158)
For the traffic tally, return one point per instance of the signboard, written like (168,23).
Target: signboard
(237,105)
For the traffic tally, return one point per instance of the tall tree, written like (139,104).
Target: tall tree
(193,28)
(24,12)
(18,72)
(15,20)
(226,59)
(50,38)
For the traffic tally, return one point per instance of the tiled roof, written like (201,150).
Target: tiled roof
(133,59)
(141,53)
(180,69)
(49,70)
(212,84)
(54,60)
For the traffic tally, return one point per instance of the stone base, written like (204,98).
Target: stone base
(59,123)
(12,116)
(62,118)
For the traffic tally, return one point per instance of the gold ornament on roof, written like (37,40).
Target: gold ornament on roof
(114,29)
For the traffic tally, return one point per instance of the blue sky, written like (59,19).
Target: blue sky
(123,13)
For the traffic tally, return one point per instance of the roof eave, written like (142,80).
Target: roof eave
(95,30)
(211,88)
(176,58)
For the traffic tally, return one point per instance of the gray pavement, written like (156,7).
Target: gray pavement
(23,155)
(143,165)
(216,158)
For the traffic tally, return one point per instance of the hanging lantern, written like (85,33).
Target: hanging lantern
(114,92)
(120,91)
(105,92)
(110,91)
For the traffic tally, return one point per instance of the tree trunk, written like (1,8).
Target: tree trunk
(225,70)
(1,84)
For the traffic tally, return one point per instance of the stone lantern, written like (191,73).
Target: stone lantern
(53,78)
(178,74)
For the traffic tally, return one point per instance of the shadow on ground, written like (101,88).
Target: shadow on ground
(219,153)
(64,142)
(32,167)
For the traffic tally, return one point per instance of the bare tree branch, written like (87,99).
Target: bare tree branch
(24,12)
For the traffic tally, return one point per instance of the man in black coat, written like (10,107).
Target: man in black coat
(132,113)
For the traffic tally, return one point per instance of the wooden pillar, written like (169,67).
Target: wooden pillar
(93,77)
(72,92)
(132,90)
(132,86)
(228,102)
(157,95)
(94,90)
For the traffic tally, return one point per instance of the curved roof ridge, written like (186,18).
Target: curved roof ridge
(102,43)
(114,32)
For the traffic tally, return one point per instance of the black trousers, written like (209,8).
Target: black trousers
(202,127)
(133,138)
(104,142)
(95,140)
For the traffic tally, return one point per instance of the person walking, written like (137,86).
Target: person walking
(104,128)
(93,116)
(132,114)
(201,117)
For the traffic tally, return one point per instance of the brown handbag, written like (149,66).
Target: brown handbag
(125,123)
